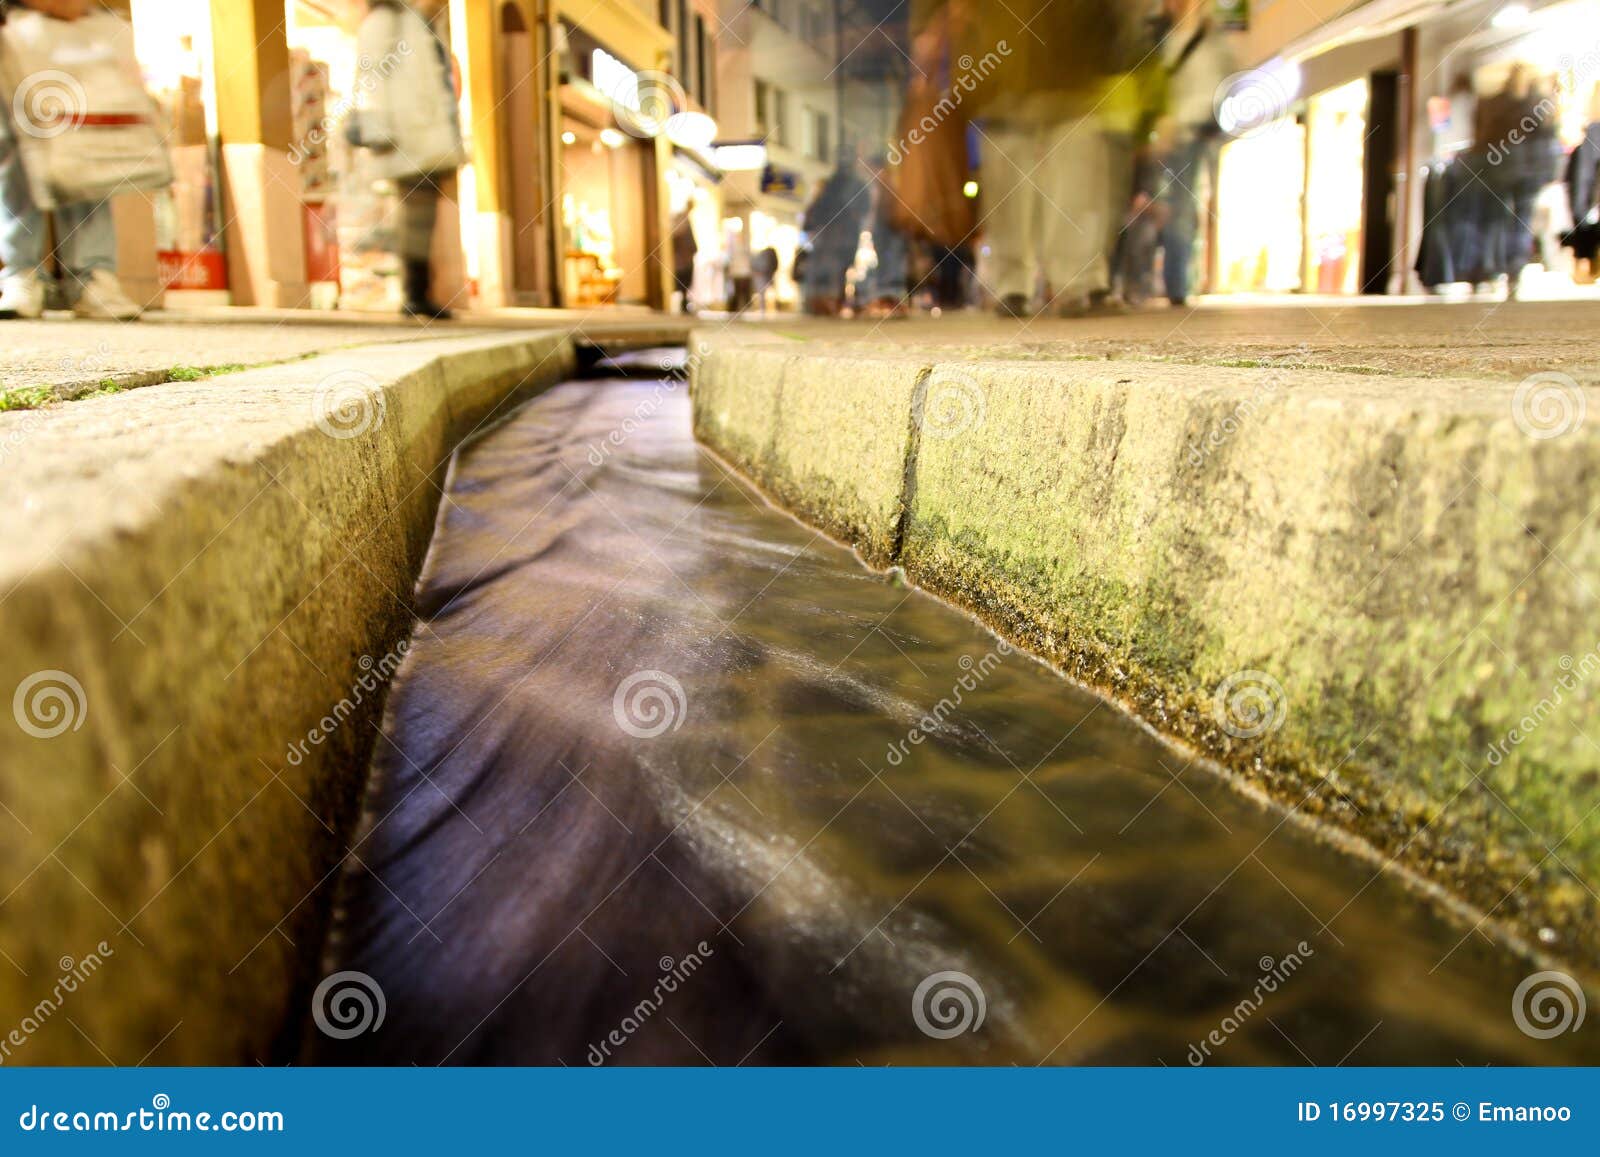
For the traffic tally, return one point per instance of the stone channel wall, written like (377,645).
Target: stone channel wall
(205,589)
(1372,596)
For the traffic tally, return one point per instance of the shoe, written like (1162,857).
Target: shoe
(1013,305)
(103,300)
(22,295)
(418,280)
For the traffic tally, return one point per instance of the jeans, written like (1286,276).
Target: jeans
(887,281)
(86,238)
(1182,170)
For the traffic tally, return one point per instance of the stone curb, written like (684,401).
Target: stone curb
(1355,592)
(204,592)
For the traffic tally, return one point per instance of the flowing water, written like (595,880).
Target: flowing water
(667,777)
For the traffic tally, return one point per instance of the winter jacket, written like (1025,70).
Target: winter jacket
(405,94)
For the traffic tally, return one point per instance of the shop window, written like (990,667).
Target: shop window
(685,47)
(763,108)
(702,63)
(780,117)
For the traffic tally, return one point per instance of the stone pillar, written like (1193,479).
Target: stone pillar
(264,231)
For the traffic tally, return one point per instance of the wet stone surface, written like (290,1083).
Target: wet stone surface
(669,778)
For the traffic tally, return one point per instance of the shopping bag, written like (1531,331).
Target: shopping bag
(83,124)
(930,200)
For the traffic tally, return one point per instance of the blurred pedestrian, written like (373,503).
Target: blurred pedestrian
(764,271)
(1048,189)
(685,249)
(833,224)
(1517,153)
(86,238)
(407,115)
(884,290)
(741,273)
(1196,62)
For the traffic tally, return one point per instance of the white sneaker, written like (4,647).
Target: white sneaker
(22,295)
(102,298)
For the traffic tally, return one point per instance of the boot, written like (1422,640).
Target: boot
(417,281)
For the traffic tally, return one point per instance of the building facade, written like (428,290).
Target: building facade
(567,199)
(1379,100)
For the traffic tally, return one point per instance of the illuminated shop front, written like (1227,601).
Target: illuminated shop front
(609,180)
(1336,126)
(174,46)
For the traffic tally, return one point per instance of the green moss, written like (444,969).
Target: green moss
(26,398)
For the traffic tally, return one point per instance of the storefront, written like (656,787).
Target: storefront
(349,217)
(695,187)
(611,237)
(1542,61)
(174,45)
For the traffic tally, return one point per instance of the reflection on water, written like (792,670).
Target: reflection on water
(669,778)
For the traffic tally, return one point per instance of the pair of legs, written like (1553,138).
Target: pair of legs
(824,276)
(86,241)
(1182,172)
(1050,193)
(886,285)
(419,214)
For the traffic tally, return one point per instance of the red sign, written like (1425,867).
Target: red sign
(207,269)
(322,243)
